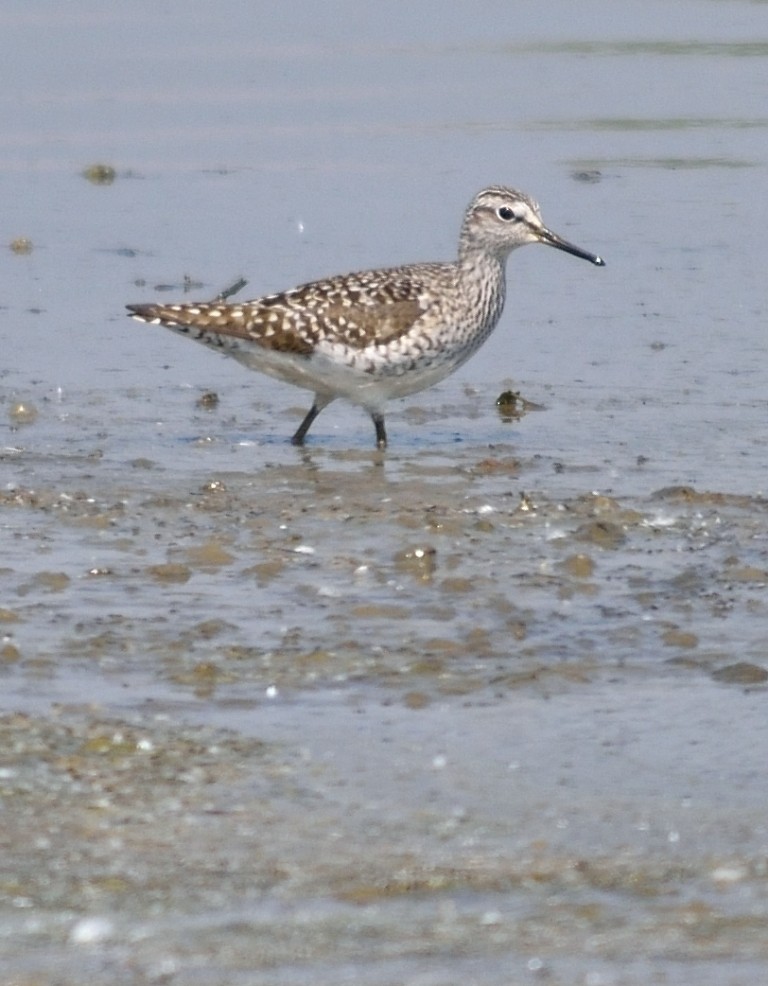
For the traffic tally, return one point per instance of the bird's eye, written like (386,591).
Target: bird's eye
(505,213)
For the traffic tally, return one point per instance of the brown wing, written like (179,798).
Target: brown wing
(356,310)
(208,320)
(360,326)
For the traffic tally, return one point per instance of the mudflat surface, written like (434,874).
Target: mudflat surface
(485,708)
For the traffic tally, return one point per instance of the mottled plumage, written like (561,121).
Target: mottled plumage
(379,334)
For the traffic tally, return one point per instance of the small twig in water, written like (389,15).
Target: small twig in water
(232,289)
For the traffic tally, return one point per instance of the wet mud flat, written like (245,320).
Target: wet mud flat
(430,715)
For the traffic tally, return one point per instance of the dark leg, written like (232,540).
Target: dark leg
(306,424)
(381,434)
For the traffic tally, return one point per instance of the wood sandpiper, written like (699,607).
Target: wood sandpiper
(378,334)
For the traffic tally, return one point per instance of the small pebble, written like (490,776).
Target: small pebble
(22,413)
(21,245)
(90,931)
(100,174)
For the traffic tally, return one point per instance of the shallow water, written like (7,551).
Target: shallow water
(485,708)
